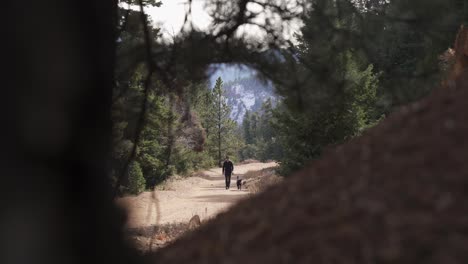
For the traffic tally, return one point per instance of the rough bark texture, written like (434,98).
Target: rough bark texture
(56,201)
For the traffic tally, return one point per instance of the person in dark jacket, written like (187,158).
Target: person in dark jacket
(228,168)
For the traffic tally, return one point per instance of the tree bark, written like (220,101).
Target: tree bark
(57,204)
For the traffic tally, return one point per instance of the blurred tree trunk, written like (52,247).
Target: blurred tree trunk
(56,131)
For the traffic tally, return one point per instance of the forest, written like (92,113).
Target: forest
(351,64)
(368,126)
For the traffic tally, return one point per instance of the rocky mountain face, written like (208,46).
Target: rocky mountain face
(244,91)
(247,94)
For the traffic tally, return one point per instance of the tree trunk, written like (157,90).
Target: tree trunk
(56,131)
(219,129)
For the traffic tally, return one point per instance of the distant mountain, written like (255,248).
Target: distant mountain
(247,93)
(244,90)
(230,73)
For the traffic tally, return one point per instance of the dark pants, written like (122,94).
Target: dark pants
(228,180)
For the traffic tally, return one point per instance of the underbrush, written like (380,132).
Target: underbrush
(258,181)
(248,161)
(155,237)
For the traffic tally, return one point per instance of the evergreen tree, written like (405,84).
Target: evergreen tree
(259,136)
(268,146)
(303,135)
(223,125)
(135,177)
(254,129)
(265,119)
(248,150)
(247,129)
(337,93)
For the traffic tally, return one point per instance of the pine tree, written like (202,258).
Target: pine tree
(246,128)
(223,126)
(135,177)
(254,128)
(337,96)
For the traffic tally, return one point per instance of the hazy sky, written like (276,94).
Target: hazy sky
(170,17)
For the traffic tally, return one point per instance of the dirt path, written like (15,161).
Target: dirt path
(205,196)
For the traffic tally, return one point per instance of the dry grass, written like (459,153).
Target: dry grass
(170,183)
(162,235)
(258,181)
(248,161)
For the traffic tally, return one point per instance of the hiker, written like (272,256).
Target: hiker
(228,168)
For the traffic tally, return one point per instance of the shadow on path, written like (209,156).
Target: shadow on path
(215,178)
(221,198)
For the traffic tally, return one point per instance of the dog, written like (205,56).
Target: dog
(239,183)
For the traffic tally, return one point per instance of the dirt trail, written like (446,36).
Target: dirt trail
(205,196)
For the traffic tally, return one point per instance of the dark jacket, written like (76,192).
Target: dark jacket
(228,167)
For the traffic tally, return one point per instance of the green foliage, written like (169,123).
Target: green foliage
(259,135)
(355,62)
(220,129)
(297,136)
(303,135)
(248,151)
(172,139)
(403,40)
(248,135)
(180,134)
(198,161)
(136,181)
